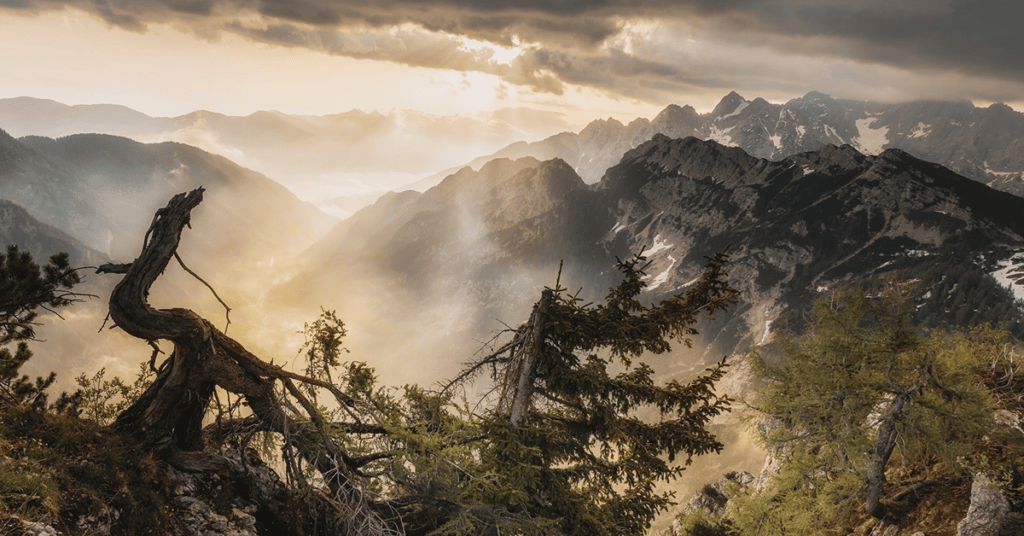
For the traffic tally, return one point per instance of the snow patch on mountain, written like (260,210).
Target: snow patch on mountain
(663,276)
(832,134)
(991,171)
(743,105)
(920,131)
(1008,273)
(722,135)
(871,140)
(659,245)
(767,331)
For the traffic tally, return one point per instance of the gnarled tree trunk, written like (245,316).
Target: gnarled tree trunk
(168,417)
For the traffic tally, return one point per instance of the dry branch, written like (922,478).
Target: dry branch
(167,418)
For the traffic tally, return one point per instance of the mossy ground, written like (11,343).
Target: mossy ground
(76,476)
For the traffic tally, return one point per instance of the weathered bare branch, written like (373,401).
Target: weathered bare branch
(114,268)
(227,310)
(167,417)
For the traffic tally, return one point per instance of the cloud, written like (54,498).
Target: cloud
(614,46)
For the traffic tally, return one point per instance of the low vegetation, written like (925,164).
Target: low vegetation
(870,418)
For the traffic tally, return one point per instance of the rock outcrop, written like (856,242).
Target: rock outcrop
(247,500)
(989,510)
(714,498)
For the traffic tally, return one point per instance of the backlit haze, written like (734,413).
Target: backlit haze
(407,89)
(398,91)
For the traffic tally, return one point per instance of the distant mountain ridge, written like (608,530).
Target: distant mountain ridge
(104,189)
(336,159)
(101,192)
(984,144)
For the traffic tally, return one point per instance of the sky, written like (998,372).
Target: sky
(584,59)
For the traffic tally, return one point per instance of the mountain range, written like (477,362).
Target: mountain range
(345,161)
(984,144)
(434,273)
(480,245)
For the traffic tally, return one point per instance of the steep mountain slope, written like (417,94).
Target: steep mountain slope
(795,228)
(429,273)
(802,225)
(18,227)
(47,190)
(985,144)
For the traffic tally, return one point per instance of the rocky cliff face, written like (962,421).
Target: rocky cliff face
(799,225)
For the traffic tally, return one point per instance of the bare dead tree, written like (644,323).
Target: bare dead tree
(168,417)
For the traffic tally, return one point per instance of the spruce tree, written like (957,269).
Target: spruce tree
(25,287)
(566,443)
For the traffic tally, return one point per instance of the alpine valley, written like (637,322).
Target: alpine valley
(805,197)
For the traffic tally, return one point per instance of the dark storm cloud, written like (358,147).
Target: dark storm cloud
(574,41)
(972,36)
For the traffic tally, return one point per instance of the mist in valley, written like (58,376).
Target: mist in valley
(341,162)
(416,316)
(427,279)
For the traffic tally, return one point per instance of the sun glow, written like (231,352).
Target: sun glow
(495,54)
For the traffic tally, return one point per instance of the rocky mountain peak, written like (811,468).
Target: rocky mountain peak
(676,114)
(685,153)
(602,131)
(467,183)
(729,105)
(815,96)
(984,144)
(1001,108)
(844,154)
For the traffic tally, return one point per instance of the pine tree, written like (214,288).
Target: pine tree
(25,287)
